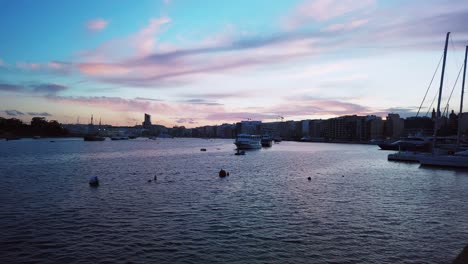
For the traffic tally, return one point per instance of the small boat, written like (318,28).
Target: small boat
(93,138)
(246,141)
(267,141)
(12,138)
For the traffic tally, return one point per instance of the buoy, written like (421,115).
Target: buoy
(203,149)
(149,180)
(228,174)
(308,178)
(155,178)
(94,181)
(222,173)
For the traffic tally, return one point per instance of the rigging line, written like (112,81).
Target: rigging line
(433,100)
(430,84)
(455,84)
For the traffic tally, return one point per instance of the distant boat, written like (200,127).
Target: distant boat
(12,138)
(93,138)
(246,141)
(267,141)
(36,137)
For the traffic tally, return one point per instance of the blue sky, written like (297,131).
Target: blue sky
(193,63)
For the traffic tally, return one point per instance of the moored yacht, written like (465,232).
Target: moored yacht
(411,143)
(246,141)
(267,141)
(457,160)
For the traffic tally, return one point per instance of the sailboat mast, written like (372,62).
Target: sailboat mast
(437,119)
(461,100)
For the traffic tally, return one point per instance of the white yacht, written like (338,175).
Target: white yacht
(246,141)
(458,160)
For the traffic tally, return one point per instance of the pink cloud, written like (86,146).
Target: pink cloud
(28,65)
(324,10)
(137,105)
(347,26)
(102,69)
(97,24)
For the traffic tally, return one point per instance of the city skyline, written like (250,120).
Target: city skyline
(193,63)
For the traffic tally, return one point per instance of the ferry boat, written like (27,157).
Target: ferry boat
(246,141)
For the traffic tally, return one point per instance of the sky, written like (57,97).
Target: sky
(199,62)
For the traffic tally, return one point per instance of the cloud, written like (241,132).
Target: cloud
(49,88)
(186,121)
(2,63)
(13,112)
(39,114)
(346,26)
(148,99)
(97,24)
(54,67)
(11,88)
(324,10)
(138,44)
(200,101)
(28,65)
(41,89)
(238,116)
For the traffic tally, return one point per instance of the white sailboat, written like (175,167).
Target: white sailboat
(458,159)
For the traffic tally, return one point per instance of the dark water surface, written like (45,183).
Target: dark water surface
(357,208)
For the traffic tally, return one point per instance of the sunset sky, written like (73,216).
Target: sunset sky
(195,62)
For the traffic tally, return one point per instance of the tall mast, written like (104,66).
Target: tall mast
(441,85)
(461,101)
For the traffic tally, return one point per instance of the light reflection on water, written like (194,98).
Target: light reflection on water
(358,207)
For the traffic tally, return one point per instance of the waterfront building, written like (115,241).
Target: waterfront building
(393,126)
(147,122)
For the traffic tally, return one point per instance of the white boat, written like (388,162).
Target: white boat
(408,156)
(246,141)
(458,160)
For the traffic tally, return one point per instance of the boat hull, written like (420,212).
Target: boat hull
(94,138)
(445,161)
(405,147)
(240,145)
(267,143)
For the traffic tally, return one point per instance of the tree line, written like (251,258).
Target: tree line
(39,126)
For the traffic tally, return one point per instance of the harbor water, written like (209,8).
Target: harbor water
(356,208)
